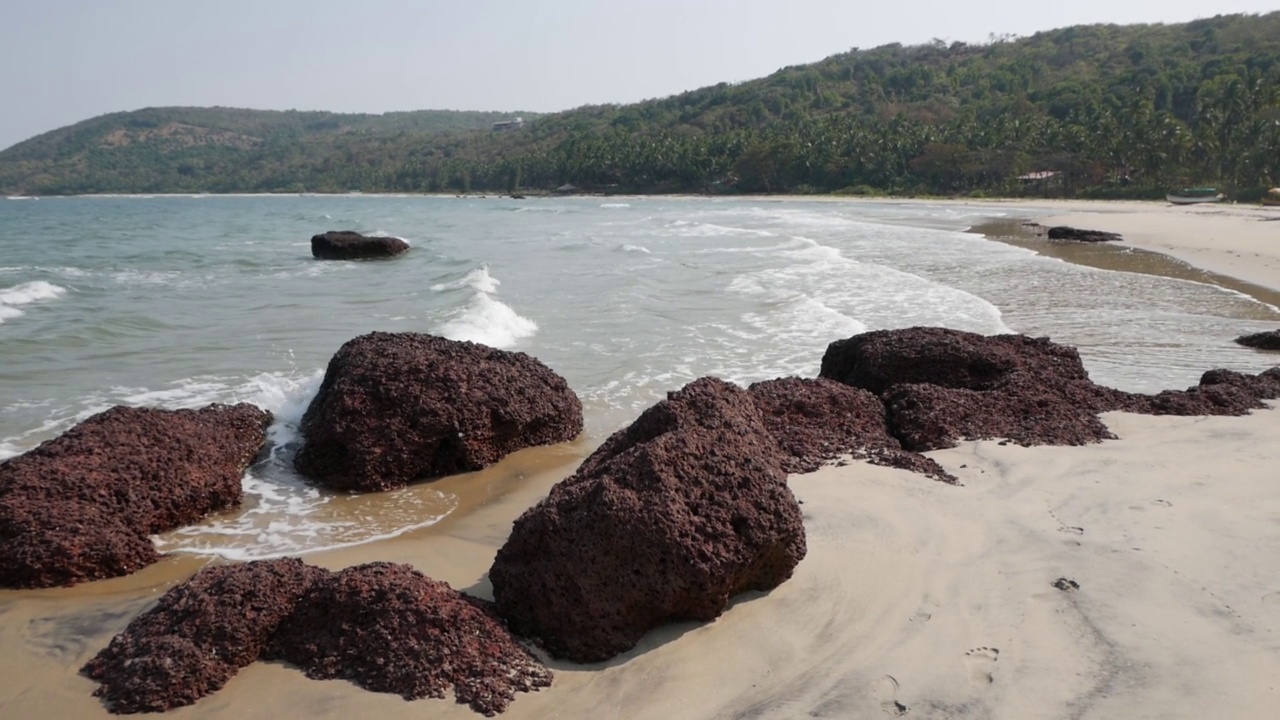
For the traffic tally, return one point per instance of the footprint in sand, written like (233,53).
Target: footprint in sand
(886,691)
(982,663)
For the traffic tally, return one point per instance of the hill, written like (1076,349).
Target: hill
(1099,110)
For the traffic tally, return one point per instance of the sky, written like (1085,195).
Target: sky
(69,60)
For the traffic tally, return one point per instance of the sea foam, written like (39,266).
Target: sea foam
(31,292)
(484,319)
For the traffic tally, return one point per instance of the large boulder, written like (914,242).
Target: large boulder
(1269,340)
(399,407)
(386,627)
(1065,232)
(669,519)
(350,245)
(390,629)
(820,420)
(83,505)
(199,635)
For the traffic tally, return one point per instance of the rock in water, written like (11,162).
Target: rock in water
(349,245)
(1064,232)
(390,629)
(83,505)
(199,635)
(398,407)
(1269,340)
(668,520)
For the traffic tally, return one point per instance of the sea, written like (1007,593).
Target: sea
(181,301)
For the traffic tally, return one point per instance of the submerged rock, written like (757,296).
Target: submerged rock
(349,245)
(669,519)
(388,628)
(83,505)
(1269,340)
(1064,232)
(399,407)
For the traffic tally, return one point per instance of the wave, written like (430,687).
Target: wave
(484,319)
(615,205)
(25,294)
(634,249)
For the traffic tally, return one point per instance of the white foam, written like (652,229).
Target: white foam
(25,294)
(484,319)
(634,249)
(615,205)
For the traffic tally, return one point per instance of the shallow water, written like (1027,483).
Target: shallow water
(182,301)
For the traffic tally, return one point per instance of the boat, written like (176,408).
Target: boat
(1193,196)
(1272,197)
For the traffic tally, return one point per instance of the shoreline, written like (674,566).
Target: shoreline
(935,599)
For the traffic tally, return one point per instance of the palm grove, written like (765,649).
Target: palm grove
(1116,111)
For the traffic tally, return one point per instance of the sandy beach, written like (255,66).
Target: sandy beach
(916,598)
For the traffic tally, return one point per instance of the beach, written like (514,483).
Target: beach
(1135,578)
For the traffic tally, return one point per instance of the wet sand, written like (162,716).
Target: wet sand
(915,596)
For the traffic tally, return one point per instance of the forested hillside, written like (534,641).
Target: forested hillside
(1109,110)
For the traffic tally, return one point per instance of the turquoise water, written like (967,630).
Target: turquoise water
(182,301)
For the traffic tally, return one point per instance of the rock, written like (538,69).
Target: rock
(941,386)
(199,635)
(669,519)
(349,245)
(388,628)
(83,505)
(1063,232)
(1269,340)
(399,407)
(816,421)
(1066,584)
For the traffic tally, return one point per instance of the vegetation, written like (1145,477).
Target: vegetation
(1113,110)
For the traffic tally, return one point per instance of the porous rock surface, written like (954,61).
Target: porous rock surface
(349,245)
(385,627)
(83,505)
(669,519)
(399,407)
(1269,340)
(940,386)
(388,628)
(1066,232)
(818,420)
(199,635)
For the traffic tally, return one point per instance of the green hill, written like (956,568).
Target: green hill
(1108,110)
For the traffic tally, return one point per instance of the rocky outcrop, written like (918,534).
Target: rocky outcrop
(399,407)
(349,245)
(390,629)
(385,627)
(83,505)
(940,386)
(1269,340)
(1064,232)
(817,421)
(669,519)
(199,635)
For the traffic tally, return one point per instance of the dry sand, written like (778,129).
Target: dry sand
(915,595)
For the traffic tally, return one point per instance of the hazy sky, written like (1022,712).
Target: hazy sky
(68,60)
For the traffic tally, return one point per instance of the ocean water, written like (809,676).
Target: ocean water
(182,301)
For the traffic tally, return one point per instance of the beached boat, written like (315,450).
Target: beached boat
(1272,197)
(1192,196)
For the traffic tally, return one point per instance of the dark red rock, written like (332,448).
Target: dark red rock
(1064,232)
(399,407)
(941,386)
(669,519)
(349,245)
(817,421)
(1269,340)
(81,506)
(390,629)
(199,635)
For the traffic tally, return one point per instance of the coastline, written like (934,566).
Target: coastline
(916,596)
